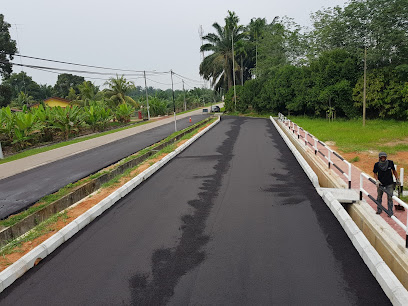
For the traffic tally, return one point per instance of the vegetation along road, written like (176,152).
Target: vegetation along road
(232,220)
(23,189)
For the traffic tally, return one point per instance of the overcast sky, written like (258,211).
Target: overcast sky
(139,35)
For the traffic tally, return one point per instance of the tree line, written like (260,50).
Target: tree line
(281,67)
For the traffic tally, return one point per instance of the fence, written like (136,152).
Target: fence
(307,138)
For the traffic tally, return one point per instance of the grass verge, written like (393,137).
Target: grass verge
(351,136)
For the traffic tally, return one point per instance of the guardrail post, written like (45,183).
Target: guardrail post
(349,174)
(315,145)
(1,152)
(361,187)
(298,132)
(402,181)
(305,138)
(328,155)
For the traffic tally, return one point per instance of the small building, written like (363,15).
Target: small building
(55,101)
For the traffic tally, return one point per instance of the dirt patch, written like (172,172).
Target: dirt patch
(365,160)
(78,209)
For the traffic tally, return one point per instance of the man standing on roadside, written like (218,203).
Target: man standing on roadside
(383,171)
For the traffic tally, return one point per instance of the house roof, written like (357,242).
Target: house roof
(58,99)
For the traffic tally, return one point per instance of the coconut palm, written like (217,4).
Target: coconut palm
(118,89)
(87,92)
(217,66)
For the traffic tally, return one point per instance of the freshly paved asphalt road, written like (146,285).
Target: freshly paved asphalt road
(24,189)
(233,220)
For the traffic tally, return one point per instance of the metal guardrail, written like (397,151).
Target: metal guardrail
(308,137)
(395,198)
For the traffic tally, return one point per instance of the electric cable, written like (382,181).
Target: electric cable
(90,66)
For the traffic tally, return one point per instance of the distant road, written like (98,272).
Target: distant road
(233,220)
(23,189)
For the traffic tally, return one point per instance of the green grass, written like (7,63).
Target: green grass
(39,230)
(354,159)
(351,136)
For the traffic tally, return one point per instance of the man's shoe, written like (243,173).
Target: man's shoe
(378,212)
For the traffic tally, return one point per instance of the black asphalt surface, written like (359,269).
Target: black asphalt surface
(24,189)
(233,220)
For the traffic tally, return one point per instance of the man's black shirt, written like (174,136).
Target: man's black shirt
(385,177)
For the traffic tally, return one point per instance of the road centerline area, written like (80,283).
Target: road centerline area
(231,220)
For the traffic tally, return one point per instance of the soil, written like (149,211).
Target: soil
(367,159)
(78,209)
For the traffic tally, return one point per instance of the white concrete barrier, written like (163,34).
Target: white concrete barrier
(303,163)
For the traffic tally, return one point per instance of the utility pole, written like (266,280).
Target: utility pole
(365,85)
(1,152)
(174,103)
(147,97)
(185,105)
(233,68)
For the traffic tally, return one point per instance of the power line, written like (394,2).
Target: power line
(71,70)
(90,66)
(186,78)
(163,83)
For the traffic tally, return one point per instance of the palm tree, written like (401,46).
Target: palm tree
(256,28)
(218,65)
(118,89)
(87,92)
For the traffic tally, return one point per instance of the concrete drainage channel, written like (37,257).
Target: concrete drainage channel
(17,269)
(392,287)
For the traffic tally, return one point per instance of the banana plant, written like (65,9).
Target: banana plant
(97,116)
(25,129)
(67,120)
(44,116)
(7,120)
(123,112)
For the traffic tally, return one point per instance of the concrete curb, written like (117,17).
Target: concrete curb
(392,287)
(25,263)
(303,163)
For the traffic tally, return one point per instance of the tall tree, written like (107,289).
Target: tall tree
(65,81)
(255,29)
(217,66)
(21,82)
(7,48)
(379,25)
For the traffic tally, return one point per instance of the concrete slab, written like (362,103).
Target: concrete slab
(345,196)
